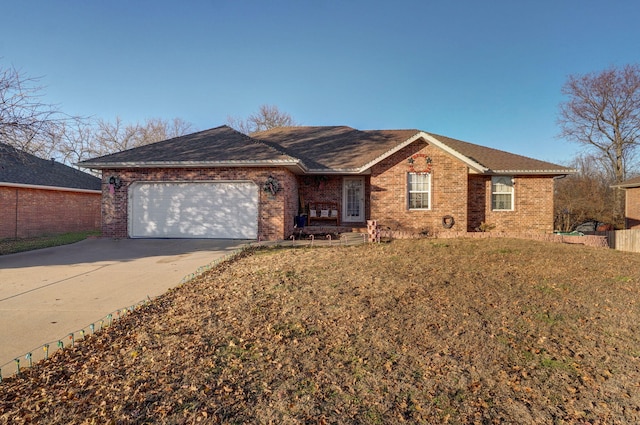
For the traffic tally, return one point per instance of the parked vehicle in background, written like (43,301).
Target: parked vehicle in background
(593,226)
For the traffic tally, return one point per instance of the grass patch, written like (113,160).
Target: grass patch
(405,332)
(12,246)
(554,364)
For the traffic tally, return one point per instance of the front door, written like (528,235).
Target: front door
(353,199)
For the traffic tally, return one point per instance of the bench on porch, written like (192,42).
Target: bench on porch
(325,211)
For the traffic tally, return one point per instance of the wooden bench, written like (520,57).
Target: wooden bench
(324,211)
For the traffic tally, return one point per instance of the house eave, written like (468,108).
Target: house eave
(297,167)
(385,155)
(193,164)
(44,187)
(474,166)
(626,186)
(532,172)
(339,171)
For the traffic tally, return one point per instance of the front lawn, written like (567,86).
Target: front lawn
(421,331)
(12,246)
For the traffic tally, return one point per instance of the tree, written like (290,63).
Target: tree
(73,141)
(602,113)
(25,121)
(267,117)
(116,136)
(40,129)
(585,195)
(157,129)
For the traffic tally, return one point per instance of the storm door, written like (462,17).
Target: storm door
(353,199)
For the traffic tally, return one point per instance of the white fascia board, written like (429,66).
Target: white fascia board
(41,187)
(535,172)
(432,140)
(340,171)
(389,153)
(471,163)
(193,164)
(626,186)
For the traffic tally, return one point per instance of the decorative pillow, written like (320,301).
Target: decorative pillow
(313,213)
(324,213)
(334,213)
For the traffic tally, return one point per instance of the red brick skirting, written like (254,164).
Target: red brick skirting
(587,240)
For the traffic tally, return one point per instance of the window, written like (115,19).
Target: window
(419,191)
(502,193)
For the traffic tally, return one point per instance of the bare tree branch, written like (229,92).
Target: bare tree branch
(586,195)
(602,113)
(267,117)
(25,121)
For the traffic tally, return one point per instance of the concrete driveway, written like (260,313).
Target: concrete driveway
(47,294)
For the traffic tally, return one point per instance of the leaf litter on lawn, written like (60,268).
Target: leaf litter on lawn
(420,331)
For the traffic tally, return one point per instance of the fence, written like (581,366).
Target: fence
(623,240)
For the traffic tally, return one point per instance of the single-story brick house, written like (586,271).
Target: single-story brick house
(39,196)
(220,183)
(631,202)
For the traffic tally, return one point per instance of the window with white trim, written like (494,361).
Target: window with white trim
(419,186)
(502,193)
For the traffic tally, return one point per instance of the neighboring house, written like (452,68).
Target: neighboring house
(631,202)
(39,196)
(219,183)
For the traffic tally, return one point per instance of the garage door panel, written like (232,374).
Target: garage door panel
(226,210)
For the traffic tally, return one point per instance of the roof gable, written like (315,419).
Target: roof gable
(19,168)
(336,148)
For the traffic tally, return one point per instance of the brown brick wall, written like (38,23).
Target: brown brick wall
(275,212)
(388,185)
(321,189)
(34,212)
(455,192)
(533,207)
(632,208)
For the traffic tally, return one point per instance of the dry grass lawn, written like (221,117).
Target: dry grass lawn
(422,331)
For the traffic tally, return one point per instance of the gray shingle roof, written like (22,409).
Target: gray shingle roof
(313,150)
(630,183)
(500,161)
(220,145)
(334,148)
(20,168)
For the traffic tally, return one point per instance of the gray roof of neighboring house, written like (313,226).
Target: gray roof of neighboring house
(21,168)
(629,184)
(313,150)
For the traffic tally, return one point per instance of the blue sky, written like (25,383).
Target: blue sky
(488,72)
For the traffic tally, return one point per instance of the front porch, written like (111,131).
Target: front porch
(326,234)
(323,230)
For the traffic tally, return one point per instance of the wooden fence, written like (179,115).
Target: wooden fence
(623,240)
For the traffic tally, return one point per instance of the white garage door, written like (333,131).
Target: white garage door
(225,210)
